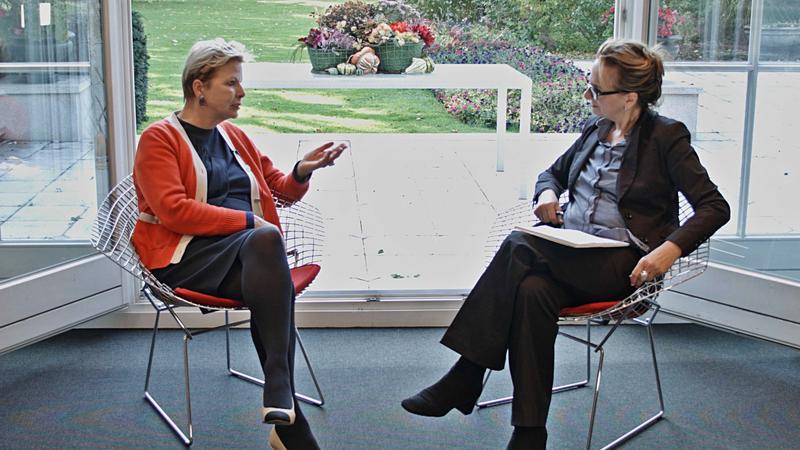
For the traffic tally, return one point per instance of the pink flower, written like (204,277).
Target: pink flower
(667,18)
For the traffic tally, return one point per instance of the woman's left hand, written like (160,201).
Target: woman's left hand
(322,156)
(655,263)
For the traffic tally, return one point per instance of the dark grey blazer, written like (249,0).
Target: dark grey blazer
(658,162)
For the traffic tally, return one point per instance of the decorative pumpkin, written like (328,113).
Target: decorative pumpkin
(418,65)
(369,63)
(357,55)
(346,69)
(332,71)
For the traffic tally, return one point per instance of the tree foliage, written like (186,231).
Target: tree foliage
(141,65)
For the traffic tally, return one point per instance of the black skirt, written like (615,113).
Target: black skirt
(205,263)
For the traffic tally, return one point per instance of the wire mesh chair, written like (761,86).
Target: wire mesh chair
(111,235)
(633,307)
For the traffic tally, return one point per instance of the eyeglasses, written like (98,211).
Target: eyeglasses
(596,93)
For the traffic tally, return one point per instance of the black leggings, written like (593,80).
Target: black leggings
(261,279)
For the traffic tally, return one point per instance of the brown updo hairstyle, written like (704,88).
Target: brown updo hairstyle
(639,69)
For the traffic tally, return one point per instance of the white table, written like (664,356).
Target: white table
(500,77)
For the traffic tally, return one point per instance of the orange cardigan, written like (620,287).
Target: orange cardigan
(171,187)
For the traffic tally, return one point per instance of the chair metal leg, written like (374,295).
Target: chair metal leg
(647,323)
(593,413)
(187,437)
(305,398)
(556,389)
(257,381)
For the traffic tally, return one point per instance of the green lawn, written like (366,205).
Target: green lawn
(269,29)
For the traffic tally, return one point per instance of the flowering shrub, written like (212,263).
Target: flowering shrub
(558,85)
(396,11)
(667,19)
(556,25)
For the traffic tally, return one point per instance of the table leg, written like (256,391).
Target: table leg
(502,105)
(525,110)
(525,131)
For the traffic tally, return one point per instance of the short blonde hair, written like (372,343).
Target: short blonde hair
(639,69)
(205,57)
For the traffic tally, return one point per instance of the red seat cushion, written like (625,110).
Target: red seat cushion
(588,308)
(211,301)
(301,277)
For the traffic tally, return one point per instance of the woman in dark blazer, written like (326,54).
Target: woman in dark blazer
(623,175)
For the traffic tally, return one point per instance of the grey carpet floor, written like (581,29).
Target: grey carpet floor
(83,389)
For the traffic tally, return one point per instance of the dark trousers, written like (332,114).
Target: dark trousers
(514,308)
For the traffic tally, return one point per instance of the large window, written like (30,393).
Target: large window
(52,131)
(740,56)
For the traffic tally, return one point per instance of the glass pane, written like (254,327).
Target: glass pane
(702,30)
(775,169)
(711,104)
(52,131)
(780,33)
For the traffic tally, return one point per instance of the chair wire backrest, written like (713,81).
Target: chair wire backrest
(117,215)
(111,236)
(303,231)
(684,269)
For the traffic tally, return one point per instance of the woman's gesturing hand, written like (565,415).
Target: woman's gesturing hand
(547,208)
(322,156)
(655,263)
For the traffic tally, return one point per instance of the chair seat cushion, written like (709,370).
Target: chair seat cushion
(586,309)
(301,278)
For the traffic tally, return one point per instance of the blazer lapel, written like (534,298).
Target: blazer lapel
(627,171)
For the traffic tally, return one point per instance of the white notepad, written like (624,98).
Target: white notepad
(571,238)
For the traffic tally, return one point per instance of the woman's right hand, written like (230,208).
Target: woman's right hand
(547,208)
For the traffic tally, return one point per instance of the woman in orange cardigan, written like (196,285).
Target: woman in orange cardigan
(208,222)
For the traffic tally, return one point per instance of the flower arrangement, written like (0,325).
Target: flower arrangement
(328,39)
(394,29)
(399,33)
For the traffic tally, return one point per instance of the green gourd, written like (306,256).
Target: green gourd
(428,64)
(418,65)
(346,69)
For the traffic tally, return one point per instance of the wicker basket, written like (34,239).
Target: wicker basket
(396,58)
(322,59)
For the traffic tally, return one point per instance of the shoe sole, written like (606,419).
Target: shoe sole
(463,409)
(278,416)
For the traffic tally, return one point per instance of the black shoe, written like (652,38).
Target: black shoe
(528,438)
(278,416)
(458,389)
(294,437)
